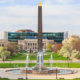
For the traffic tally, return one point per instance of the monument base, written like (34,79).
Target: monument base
(40,70)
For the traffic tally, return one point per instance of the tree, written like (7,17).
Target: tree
(76,45)
(4,53)
(68,53)
(70,48)
(13,48)
(57,47)
(50,47)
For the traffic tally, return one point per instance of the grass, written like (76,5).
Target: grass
(19,56)
(55,56)
(55,79)
(51,79)
(38,79)
(71,65)
(13,65)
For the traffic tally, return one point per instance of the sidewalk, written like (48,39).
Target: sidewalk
(34,61)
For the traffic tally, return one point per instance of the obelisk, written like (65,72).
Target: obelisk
(40,67)
(40,44)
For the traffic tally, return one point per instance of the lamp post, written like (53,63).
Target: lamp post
(30,50)
(68,61)
(56,73)
(26,73)
(10,62)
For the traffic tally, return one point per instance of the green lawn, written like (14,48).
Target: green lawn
(12,65)
(39,79)
(34,57)
(50,79)
(55,79)
(55,56)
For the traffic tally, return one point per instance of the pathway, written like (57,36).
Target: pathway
(34,61)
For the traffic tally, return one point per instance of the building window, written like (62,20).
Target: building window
(3,45)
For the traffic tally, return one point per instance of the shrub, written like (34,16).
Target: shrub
(4,79)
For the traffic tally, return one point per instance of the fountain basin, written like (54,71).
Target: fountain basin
(39,72)
(49,71)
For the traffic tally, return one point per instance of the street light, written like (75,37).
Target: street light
(56,72)
(26,73)
(30,50)
(68,61)
(10,62)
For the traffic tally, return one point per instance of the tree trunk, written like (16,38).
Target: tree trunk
(68,61)
(3,59)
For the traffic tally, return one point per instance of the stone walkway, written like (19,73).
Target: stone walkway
(34,61)
(3,74)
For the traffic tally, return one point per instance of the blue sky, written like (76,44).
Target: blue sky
(58,15)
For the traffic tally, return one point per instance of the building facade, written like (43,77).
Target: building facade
(32,44)
(3,43)
(15,36)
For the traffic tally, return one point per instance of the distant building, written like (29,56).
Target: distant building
(32,44)
(3,42)
(26,30)
(15,36)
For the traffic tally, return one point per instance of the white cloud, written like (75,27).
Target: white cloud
(16,14)
(55,17)
(6,1)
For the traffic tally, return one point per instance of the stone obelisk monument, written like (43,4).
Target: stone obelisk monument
(40,44)
(40,65)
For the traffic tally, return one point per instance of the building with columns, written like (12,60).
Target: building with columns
(32,44)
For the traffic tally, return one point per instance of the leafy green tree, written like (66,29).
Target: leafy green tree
(50,47)
(4,53)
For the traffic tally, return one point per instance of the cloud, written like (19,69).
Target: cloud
(56,16)
(17,17)
(6,1)
(35,2)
